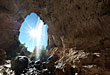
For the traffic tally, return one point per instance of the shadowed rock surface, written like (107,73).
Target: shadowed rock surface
(2,56)
(19,63)
(78,30)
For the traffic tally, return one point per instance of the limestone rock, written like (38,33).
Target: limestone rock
(2,56)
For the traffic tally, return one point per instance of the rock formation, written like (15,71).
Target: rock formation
(19,63)
(79,29)
(2,56)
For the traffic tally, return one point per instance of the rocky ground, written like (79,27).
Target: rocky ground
(49,67)
(61,62)
(34,68)
(6,69)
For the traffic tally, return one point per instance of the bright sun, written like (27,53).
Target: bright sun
(33,33)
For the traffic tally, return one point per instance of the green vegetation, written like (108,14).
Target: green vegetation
(23,50)
(43,54)
(33,55)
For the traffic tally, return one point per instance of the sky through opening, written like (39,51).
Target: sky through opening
(33,32)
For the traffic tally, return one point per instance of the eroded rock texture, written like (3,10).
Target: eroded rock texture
(83,25)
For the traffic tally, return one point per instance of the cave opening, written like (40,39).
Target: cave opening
(33,35)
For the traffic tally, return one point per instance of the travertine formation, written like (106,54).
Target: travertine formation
(80,26)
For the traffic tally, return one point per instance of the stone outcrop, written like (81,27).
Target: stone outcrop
(2,56)
(19,63)
(82,62)
(80,26)
(10,23)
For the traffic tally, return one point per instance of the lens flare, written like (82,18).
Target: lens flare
(36,34)
(33,33)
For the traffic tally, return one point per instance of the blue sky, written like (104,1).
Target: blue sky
(32,21)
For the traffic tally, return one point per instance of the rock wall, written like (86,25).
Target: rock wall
(81,26)
(2,56)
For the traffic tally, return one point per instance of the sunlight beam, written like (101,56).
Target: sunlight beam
(36,34)
(33,33)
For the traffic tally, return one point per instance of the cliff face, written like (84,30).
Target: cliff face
(79,29)
(81,24)
(10,22)
(9,26)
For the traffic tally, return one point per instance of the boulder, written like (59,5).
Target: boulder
(19,63)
